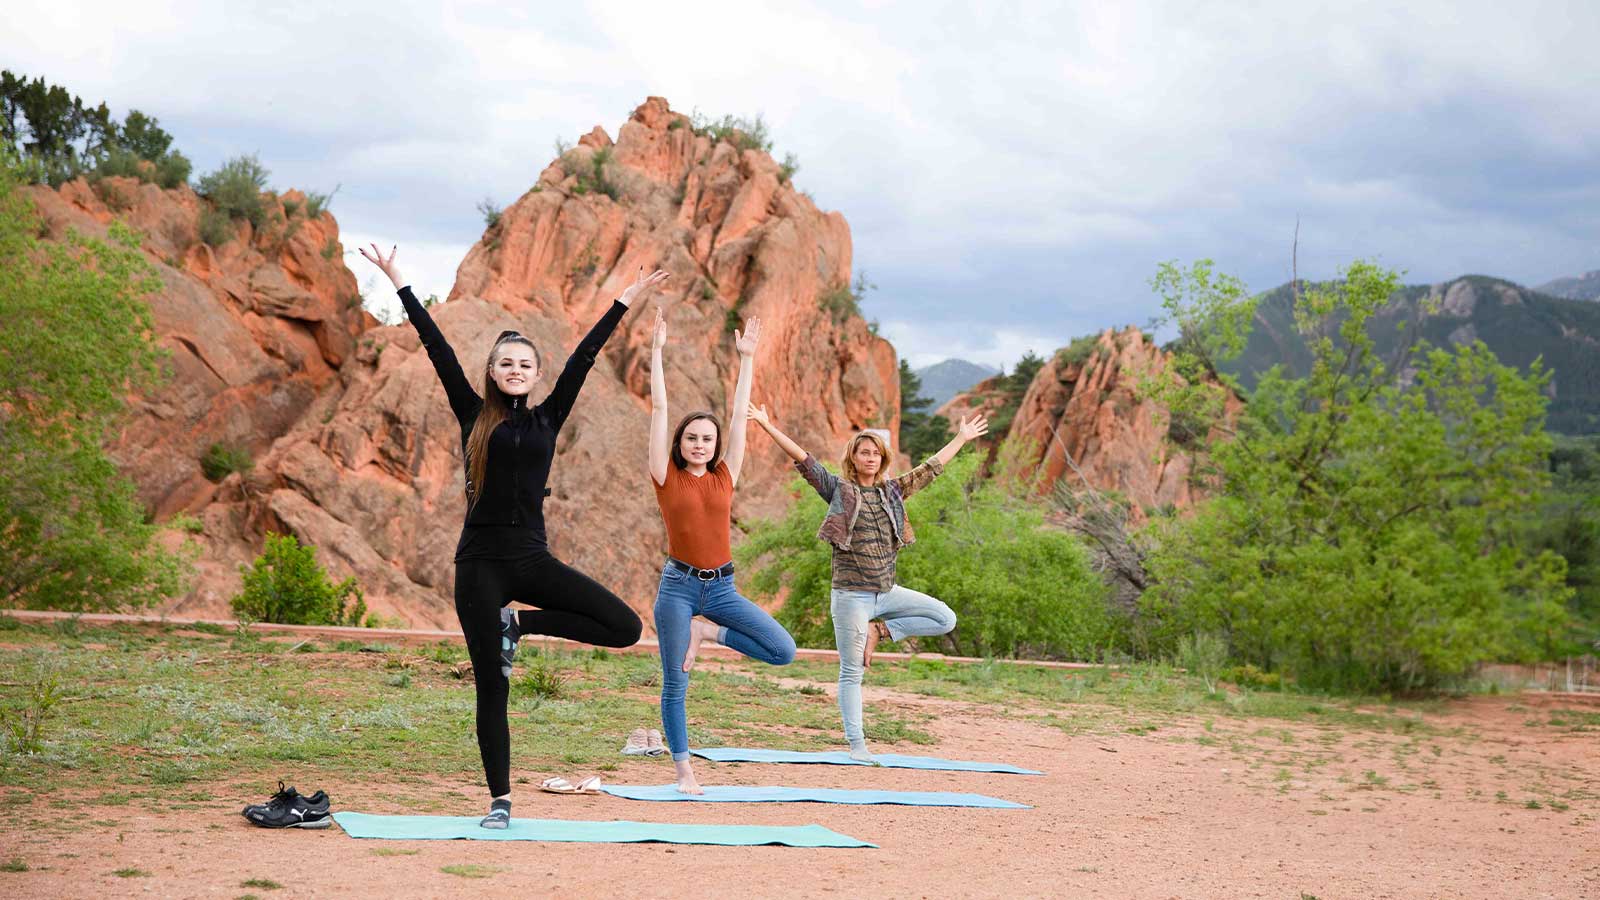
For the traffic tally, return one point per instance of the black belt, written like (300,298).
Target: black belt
(702,574)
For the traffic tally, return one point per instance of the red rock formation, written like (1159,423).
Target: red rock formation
(355,448)
(1089,409)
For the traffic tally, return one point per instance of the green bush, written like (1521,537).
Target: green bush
(73,533)
(1203,655)
(287,585)
(124,164)
(1018,588)
(843,301)
(490,213)
(1078,352)
(744,133)
(215,227)
(222,460)
(791,165)
(317,203)
(235,189)
(1365,531)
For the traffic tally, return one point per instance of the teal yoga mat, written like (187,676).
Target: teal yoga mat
(841,758)
(440,828)
(738,793)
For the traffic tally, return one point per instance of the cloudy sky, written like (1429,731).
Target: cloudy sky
(1012,173)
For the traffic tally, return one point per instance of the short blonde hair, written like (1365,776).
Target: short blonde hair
(848,464)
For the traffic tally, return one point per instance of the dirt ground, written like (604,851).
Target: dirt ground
(1275,811)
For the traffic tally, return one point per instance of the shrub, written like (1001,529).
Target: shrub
(490,213)
(746,134)
(124,164)
(791,165)
(1077,352)
(317,202)
(1017,587)
(1203,655)
(236,188)
(287,585)
(172,170)
(1364,533)
(75,536)
(221,460)
(215,227)
(843,301)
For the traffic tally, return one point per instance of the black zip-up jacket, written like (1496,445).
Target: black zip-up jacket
(520,448)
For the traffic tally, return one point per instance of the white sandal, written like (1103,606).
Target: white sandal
(559,785)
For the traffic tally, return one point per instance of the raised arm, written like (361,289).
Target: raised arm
(559,404)
(824,482)
(464,401)
(746,345)
(758,415)
(969,430)
(923,475)
(660,453)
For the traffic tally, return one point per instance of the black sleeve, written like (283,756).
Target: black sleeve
(464,401)
(559,403)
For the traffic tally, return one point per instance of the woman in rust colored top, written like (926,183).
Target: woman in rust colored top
(694,484)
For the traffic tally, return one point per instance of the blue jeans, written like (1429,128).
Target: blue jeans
(906,612)
(746,628)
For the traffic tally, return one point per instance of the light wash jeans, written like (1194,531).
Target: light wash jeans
(907,613)
(746,628)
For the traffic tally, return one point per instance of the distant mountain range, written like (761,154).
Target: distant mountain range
(1519,324)
(1584,287)
(944,380)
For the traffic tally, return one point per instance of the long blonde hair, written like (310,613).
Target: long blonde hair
(848,464)
(496,409)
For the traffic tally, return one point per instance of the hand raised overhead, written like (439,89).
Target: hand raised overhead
(758,414)
(658,338)
(973,428)
(642,286)
(386,265)
(746,343)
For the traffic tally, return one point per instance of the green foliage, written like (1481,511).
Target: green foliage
(922,433)
(317,202)
(544,679)
(78,338)
(216,228)
(22,720)
(843,301)
(286,584)
(1567,523)
(235,189)
(1013,387)
(221,460)
(1078,352)
(1017,587)
(1363,533)
(744,133)
(791,165)
(67,139)
(1203,655)
(490,213)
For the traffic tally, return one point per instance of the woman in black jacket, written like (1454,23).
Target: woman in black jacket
(503,555)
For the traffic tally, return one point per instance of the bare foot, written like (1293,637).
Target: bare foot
(686,781)
(876,631)
(699,630)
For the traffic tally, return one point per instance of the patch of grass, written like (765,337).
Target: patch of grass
(221,460)
(263,883)
(131,873)
(14,864)
(390,851)
(471,870)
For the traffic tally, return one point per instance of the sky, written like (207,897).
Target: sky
(1012,173)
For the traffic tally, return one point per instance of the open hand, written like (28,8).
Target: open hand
(642,286)
(658,337)
(758,414)
(973,428)
(386,265)
(746,343)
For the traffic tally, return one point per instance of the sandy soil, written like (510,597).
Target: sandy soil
(1258,810)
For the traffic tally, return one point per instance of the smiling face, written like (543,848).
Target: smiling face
(698,443)
(514,368)
(864,459)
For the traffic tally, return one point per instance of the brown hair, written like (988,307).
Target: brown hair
(496,409)
(848,464)
(677,440)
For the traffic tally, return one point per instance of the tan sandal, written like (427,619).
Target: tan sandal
(559,785)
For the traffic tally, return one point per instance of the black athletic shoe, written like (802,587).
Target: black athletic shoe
(289,809)
(508,639)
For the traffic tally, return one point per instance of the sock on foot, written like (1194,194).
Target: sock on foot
(499,815)
(861,754)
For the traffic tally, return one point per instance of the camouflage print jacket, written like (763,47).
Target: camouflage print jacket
(844,500)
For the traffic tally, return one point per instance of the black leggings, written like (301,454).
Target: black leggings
(571,605)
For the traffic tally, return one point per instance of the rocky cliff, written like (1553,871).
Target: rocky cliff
(1080,420)
(354,446)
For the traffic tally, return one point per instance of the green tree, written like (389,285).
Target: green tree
(286,584)
(1014,387)
(1363,531)
(922,433)
(75,339)
(235,189)
(1018,588)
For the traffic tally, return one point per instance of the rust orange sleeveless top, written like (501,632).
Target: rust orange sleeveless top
(698,513)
